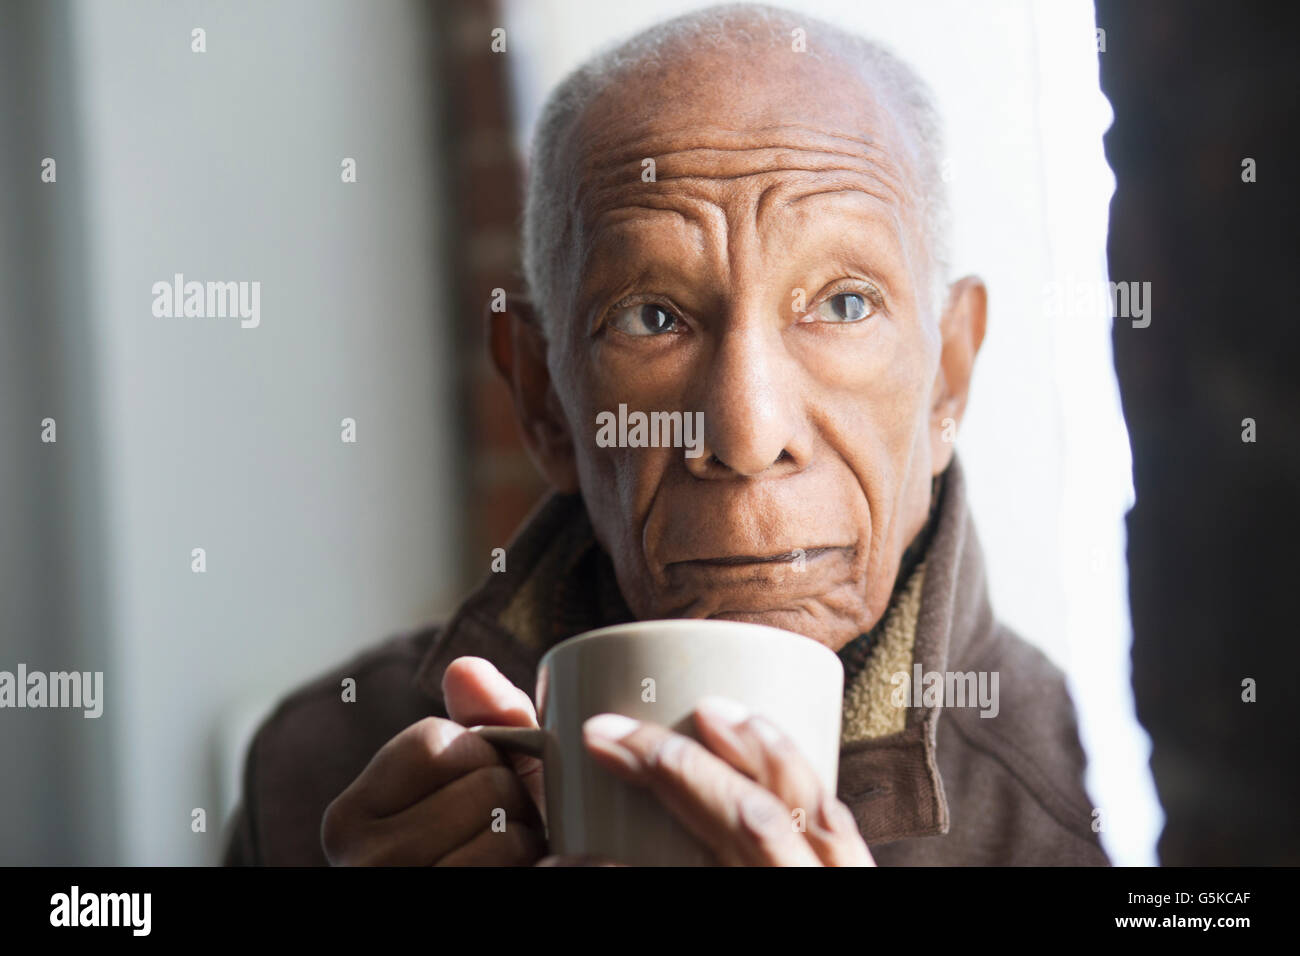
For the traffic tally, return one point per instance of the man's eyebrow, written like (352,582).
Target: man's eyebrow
(880,219)
(690,215)
(690,212)
(871,244)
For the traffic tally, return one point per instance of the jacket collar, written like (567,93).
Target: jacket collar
(892,784)
(558,582)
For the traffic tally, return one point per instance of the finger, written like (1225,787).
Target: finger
(835,836)
(444,822)
(756,747)
(475,692)
(420,760)
(517,845)
(740,821)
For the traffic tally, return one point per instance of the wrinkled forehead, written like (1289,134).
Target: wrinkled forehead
(783,124)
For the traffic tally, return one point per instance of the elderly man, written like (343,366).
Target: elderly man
(737,213)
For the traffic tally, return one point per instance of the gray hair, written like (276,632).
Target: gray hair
(546,210)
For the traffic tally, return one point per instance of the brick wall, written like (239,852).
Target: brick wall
(486,186)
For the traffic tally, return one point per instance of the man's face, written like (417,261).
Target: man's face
(773,277)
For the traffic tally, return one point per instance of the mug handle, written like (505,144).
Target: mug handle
(524,740)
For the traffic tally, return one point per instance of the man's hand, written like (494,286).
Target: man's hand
(430,794)
(750,797)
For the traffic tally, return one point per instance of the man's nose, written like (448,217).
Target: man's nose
(750,412)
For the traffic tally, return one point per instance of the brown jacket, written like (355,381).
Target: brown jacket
(927,784)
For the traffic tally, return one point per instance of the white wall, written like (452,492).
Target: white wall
(1044,443)
(225,165)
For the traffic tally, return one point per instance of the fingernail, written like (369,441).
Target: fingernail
(723,709)
(610,726)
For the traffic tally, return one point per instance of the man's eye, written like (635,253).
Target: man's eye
(845,307)
(647,319)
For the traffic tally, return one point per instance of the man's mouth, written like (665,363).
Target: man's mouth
(774,589)
(785,557)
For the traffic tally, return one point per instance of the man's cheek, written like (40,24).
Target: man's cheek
(618,486)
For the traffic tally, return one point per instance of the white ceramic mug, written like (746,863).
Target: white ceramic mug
(658,671)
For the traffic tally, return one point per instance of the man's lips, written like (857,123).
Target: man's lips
(735,560)
(758,585)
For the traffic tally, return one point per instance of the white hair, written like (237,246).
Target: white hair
(547,212)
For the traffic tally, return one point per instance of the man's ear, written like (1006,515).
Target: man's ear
(518,349)
(962,328)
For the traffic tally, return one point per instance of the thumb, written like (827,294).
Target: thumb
(475,692)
